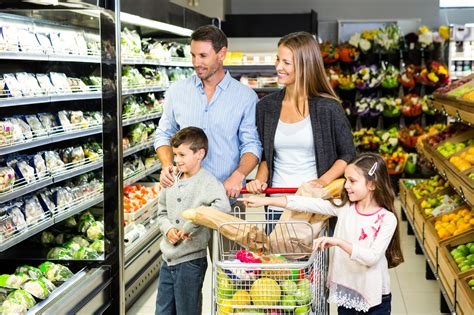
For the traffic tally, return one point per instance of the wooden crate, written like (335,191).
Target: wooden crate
(464,296)
(431,241)
(407,198)
(448,271)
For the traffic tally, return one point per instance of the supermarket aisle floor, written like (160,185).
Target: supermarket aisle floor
(412,293)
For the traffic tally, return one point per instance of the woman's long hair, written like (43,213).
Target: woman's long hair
(311,79)
(383,195)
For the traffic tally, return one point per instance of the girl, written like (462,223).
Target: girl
(366,239)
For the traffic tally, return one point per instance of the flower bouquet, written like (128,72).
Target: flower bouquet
(333,73)
(396,161)
(366,139)
(367,78)
(390,76)
(369,110)
(348,53)
(412,106)
(435,75)
(408,136)
(329,53)
(388,41)
(407,78)
(391,106)
(389,140)
(347,86)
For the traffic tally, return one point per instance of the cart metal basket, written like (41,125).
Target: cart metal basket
(290,280)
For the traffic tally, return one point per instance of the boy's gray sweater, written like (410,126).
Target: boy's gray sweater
(202,189)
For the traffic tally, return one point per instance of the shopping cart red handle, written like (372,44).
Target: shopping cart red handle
(280,190)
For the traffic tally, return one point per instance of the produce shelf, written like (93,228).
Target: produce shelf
(432,264)
(39,56)
(29,100)
(448,173)
(143,89)
(71,170)
(139,175)
(459,110)
(151,62)
(134,120)
(78,206)
(27,233)
(138,148)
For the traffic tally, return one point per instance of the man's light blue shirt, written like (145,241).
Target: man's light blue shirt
(228,121)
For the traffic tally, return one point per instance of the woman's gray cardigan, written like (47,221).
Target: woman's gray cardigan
(331,130)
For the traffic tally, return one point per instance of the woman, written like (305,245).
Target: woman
(303,129)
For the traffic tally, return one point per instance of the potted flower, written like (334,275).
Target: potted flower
(329,53)
(333,73)
(347,86)
(389,140)
(433,76)
(408,136)
(365,42)
(391,110)
(390,76)
(366,139)
(348,53)
(411,107)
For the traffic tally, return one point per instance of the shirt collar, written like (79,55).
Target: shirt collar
(223,85)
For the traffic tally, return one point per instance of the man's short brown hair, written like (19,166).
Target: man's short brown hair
(192,136)
(210,33)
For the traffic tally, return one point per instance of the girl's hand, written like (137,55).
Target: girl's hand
(324,242)
(254,201)
(256,186)
(318,183)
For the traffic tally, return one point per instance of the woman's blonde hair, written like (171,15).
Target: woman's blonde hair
(311,79)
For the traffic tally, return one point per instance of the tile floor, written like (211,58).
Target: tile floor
(412,293)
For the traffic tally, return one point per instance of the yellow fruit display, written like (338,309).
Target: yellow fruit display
(463,161)
(451,224)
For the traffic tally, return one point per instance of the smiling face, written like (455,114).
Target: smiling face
(205,60)
(285,66)
(356,185)
(187,161)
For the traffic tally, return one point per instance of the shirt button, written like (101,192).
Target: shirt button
(177,221)
(179,199)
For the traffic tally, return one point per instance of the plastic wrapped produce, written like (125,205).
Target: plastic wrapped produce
(6,129)
(63,120)
(32,272)
(32,210)
(77,85)
(17,302)
(95,231)
(53,161)
(39,165)
(36,288)
(81,44)
(59,253)
(48,283)
(7,227)
(29,84)
(68,42)
(60,82)
(62,197)
(3,295)
(45,43)
(28,41)
(85,253)
(24,170)
(60,238)
(92,150)
(138,134)
(55,272)
(77,118)
(48,121)
(80,240)
(70,222)
(13,281)
(10,37)
(45,199)
(35,125)
(98,245)
(85,222)
(25,128)
(17,217)
(77,155)
(73,246)
(12,85)
(47,238)
(7,178)
(46,85)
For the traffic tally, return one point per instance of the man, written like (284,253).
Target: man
(220,105)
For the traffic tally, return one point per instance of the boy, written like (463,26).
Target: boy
(184,246)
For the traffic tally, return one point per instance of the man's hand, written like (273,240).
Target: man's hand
(173,236)
(166,176)
(183,235)
(256,186)
(233,184)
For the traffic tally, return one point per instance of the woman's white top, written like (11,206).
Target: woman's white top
(359,280)
(294,161)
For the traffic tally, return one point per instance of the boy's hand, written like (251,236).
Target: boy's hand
(184,236)
(254,201)
(173,236)
(166,176)
(324,242)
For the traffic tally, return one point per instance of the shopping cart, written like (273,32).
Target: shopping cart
(290,280)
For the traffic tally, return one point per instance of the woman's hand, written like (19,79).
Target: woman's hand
(324,242)
(256,186)
(318,183)
(254,201)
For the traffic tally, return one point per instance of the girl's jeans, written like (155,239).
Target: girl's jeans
(383,308)
(179,288)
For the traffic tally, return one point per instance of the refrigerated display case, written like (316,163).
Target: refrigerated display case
(59,130)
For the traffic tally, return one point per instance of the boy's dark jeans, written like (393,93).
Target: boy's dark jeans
(179,288)
(383,308)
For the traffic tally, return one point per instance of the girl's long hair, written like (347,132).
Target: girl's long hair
(311,79)
(383,195)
